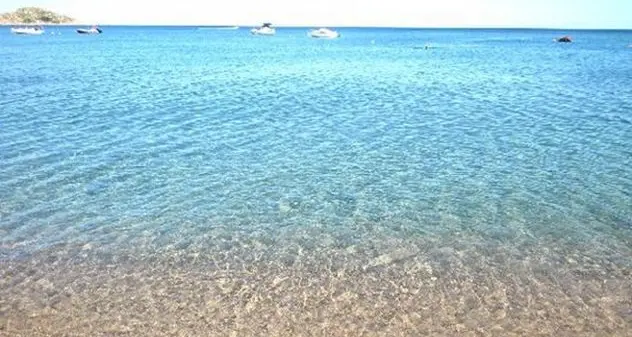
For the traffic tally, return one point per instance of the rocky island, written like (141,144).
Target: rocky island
(33,15)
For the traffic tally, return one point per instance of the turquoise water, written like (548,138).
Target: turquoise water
(491,150)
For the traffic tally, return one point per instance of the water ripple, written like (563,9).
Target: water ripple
(163,141)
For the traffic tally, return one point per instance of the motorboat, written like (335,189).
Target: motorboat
(37,30)
(265,29)
(324,33)
(564,39)
(92,30)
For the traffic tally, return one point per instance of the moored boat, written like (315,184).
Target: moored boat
(266,29)
(36,30)
(92,30)
(324,33)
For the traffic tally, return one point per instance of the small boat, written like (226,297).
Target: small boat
(564,39)
(324,33)
(266,29)
(93,30)
(37,30)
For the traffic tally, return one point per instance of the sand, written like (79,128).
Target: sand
(312,282)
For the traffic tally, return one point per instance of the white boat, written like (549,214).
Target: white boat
(27,30)
(91,31)
(265,29)
(324,33)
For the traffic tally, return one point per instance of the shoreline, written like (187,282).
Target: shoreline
(308,282)
(40,24)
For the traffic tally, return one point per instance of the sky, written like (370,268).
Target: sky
(589,14)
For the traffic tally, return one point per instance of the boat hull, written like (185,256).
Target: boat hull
(333,36)
(89,31)
(263,32)
(27,31)
(324,34)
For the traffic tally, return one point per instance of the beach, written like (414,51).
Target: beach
(384,286)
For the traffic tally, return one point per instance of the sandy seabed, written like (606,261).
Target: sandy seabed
(314,282)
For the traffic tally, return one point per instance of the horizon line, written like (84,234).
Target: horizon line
(86,23)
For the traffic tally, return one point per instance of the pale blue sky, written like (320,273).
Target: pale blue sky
(406,13)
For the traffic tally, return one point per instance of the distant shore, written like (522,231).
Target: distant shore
(39,24)
(34,16)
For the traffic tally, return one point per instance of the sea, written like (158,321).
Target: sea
(179,181)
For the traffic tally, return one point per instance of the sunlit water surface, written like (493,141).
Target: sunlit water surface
(178,181)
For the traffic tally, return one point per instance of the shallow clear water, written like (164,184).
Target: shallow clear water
(184,145)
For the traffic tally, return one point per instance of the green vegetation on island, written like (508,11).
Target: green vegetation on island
(33,15)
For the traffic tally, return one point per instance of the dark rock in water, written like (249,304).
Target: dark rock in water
(623,224)
(564,39)
(289,204)
(88,226)
(345,204)
(182,245)
(96,187)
